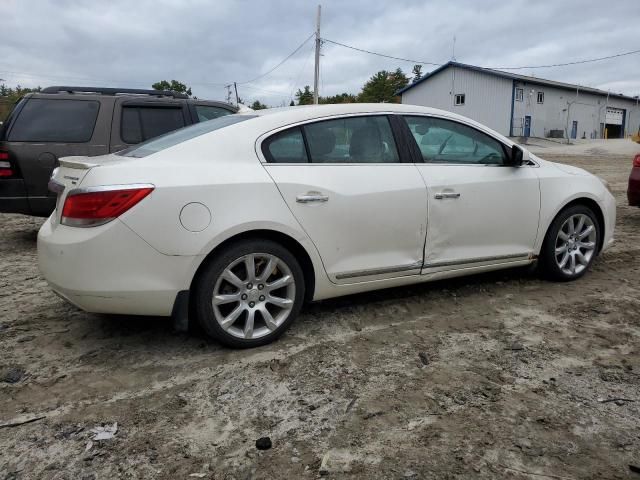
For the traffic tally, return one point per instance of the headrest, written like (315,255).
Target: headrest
(321,140)
(366,142)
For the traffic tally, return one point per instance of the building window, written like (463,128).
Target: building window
(519,94)
(540,97)
(459,99)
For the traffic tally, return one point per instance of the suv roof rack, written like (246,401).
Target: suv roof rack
(113,91)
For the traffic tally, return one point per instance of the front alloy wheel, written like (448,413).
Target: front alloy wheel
(571,244)
(575,244)
(250,293)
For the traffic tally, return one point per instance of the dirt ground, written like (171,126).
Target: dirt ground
(493,376)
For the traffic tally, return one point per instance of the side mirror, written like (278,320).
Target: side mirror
(515,157)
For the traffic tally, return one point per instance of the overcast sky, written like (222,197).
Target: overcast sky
(208,43)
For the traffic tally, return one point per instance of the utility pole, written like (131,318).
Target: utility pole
(453,50)
(228,87)
(235,87)
(317,70)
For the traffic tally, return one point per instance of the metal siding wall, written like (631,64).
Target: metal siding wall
(487,98)
(587,109)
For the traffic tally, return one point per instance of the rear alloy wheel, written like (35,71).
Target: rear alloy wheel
(250,294)
(571,244)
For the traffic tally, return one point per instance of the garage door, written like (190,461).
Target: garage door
(615,116)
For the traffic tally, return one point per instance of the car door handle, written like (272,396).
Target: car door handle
(312,198)
(441,195)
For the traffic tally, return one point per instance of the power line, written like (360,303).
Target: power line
(279,64)
(523,67)
(273,92)
(380,54)
(577,62)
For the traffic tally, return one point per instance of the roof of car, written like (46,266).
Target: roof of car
(308,112)
(340,108)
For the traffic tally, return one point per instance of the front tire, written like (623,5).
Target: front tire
(571,244)
(249,294)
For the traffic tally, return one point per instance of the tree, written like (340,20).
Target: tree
(257,105)
(174,86)
(9,96)
(417,72)
(383,86)
(292,104)
(339,98)
(305,97)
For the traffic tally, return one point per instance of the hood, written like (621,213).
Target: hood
(571,170)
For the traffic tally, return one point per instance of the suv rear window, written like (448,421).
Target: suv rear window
(142,123)
(48,120)
(182,135)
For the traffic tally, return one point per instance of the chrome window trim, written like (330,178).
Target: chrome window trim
(264,136)
(261,138)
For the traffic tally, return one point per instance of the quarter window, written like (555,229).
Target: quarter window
(63,121)
(459,99)
(519,94)
(540,97)
(286,147)
(445,141)
(140,123)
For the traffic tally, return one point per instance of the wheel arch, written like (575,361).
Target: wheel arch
(290,243)
(587,202)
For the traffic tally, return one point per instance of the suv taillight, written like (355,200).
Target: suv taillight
(97,207)
(5,165)
(636,161)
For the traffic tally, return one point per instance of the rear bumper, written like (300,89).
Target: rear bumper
(633,192)
(110,269)
(13,196)
(14,199)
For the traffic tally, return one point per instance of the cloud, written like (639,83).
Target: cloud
(210,43)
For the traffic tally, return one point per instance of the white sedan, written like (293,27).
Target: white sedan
(242,219)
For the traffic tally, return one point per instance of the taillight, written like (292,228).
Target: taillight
(5,165)
(97,206)
(636,161)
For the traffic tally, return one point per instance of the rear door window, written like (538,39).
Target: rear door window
(55,120)
(352,140)
(140,123)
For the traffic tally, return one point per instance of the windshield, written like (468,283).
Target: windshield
(178,136)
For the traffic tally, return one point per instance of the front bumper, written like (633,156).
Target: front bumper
(609,213)
(110,269)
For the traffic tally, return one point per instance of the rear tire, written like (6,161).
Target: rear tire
(571,244)
(249,293)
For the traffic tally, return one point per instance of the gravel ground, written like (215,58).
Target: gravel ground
(493,376)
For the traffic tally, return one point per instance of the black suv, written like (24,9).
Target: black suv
(63,121)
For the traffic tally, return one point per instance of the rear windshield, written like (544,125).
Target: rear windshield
(170,139)
(62,121)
